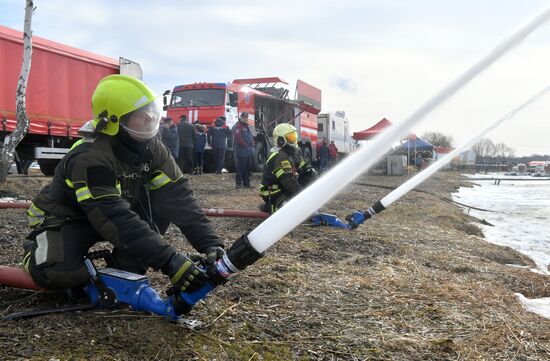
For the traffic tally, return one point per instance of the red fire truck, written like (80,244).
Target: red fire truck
(267,102)
(59,92)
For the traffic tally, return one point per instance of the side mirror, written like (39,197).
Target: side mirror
(165,98)
(165,107)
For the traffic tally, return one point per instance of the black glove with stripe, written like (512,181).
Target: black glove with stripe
(213,254)
(184,273)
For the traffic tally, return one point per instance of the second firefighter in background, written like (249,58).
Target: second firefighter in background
(286,172)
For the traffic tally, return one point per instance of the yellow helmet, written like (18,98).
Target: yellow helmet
(117,96)
(284,134)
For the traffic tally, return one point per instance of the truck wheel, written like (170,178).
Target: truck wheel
(260,156)
(306,153)
(47,166)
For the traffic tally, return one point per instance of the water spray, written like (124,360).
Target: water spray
(359,217)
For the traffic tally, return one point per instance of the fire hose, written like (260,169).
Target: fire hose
(212,212)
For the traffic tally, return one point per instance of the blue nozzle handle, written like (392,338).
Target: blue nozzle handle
(358,217)
(324,219)
(193,297)
(355,219)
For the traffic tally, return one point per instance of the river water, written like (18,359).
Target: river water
(521,218)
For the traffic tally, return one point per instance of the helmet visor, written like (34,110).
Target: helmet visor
(144,122)
(292,138)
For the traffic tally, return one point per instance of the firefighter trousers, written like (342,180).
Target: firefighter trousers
(274,201)
(54,257)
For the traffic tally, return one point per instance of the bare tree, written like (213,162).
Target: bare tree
(504,152)
(438,139)
(12,140)
(484,150)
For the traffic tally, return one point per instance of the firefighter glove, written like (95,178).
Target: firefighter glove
(213,254)
(308,176)
(184,273)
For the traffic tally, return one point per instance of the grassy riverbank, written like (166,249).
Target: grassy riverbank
(417,282)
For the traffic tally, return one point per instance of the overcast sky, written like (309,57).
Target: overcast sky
(372,58)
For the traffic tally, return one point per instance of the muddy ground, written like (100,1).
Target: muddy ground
(417,282)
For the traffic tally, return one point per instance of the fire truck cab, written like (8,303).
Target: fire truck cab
(266,101)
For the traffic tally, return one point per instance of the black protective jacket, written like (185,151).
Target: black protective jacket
(186,133)
(107,183)
(285,171)
(218,135)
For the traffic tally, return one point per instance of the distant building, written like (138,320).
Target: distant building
(466,158)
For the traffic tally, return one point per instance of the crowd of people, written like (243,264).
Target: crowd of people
(187,142)
(285,174)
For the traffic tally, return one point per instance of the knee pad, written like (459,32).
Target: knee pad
(45,261)
(55,279)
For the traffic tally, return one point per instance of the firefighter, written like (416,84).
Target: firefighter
(285,172)
(122,186)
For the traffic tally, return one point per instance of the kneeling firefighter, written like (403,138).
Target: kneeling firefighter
(122,186)
(286,172)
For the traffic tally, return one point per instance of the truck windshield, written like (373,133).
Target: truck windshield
(198,97)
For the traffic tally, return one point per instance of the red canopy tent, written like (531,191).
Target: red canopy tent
(369,133)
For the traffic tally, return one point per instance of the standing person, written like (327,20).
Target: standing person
(286,172)
(217,139)
(324,156)
(244,149)
(333,153)
(200,143)
(418,161)
(186,134)
(170,137)
(118,185)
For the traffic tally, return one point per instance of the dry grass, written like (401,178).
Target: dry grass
(414,283)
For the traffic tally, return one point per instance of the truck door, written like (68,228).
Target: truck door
(231,112)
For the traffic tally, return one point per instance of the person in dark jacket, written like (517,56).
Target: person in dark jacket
(324,156)
(200,144)
(170,137)
(333,151)
(286,172)
(244,150)
(217,139)
(122,186)
(186,133)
